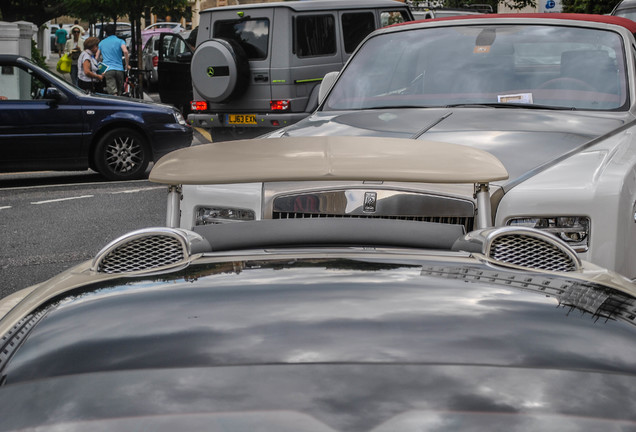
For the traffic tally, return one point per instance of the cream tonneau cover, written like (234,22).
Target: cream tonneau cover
(328,158)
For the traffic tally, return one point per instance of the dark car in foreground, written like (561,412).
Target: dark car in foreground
(323,324)
(48,124)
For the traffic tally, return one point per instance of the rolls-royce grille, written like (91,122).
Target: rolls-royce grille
(467,222)
(530,252)
(142,254)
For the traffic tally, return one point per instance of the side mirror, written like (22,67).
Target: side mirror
(184,57)
(325,86)
(55,95)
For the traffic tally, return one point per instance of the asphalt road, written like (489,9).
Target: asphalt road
(50,221)
(65,220)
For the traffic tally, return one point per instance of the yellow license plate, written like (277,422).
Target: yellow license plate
(241,119)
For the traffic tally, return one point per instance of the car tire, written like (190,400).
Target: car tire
(220,70)
(122,154)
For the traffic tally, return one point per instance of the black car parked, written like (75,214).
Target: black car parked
(48,124)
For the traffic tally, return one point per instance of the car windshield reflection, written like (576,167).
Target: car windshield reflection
(54,77)
(553,66)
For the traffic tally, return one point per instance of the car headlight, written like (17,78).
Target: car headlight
(574,230)
(179,118)
(211,215)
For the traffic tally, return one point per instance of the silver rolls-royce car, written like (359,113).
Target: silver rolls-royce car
(551,96)
(323,324)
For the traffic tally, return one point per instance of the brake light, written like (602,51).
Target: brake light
(155,61)
(279,105)
(198,105)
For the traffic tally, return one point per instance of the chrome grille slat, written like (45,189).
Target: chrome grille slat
(530,252)
(467,222)
(142,254)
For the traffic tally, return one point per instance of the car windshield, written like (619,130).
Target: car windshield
(522,65)
(627,13)
(54,78)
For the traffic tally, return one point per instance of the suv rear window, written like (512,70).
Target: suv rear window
(355,27)
(251,34)
(315,35)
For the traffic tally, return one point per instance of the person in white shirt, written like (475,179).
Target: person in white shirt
(88,77)
(74,47)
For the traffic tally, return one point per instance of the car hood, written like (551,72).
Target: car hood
(111,100)
(332,344)
(524,140)
(324,398)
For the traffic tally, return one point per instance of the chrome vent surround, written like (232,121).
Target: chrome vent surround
(143,250)
(530,248)
(467,222)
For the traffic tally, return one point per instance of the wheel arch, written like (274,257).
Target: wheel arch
(97,136)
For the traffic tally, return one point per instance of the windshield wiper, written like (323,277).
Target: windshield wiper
(509,105)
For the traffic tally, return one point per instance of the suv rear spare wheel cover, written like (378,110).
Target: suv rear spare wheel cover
(220,70)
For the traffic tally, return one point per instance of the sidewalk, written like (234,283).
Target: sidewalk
(51,62)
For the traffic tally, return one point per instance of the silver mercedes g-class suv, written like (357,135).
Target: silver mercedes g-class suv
(259,65)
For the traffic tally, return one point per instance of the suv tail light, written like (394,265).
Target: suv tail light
(279,105)
(198,105)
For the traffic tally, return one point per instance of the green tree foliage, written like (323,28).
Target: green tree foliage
(589,6)
(36,11)
(459,4)
(92,11)
(37,56)
(519,4)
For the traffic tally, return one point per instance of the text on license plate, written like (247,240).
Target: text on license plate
(241,119)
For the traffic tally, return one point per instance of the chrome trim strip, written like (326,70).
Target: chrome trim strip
(386,203)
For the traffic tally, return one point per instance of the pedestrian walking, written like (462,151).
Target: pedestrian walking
(74,47)
(112,50)
(88,77)
(60,39)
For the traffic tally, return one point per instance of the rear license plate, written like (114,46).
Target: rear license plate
(241,119)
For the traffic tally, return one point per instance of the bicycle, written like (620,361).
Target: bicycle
(131,83)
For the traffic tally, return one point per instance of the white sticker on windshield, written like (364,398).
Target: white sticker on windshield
(515,98)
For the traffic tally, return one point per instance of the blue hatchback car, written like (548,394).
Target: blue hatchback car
(49,124)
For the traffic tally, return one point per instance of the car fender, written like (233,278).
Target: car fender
(603,174)
(112,121)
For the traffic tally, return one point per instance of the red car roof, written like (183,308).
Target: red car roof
(605,19)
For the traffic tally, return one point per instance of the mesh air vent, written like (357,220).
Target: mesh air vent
(531,252)
(143,253)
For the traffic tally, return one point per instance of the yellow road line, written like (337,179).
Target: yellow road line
(205,133)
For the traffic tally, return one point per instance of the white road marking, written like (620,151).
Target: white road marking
(69,184)
(5,207)
(62,199)
(138,190)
